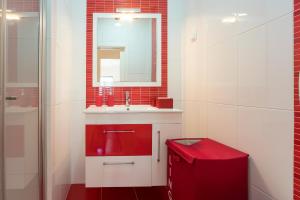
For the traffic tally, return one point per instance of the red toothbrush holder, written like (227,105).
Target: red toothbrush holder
(110,101)
(99,100)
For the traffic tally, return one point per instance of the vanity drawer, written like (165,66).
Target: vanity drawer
(119,140)
(121,171)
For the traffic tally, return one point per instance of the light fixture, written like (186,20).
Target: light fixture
(8,11)
(128,10)
(12,17)
(229,20)
(242,14)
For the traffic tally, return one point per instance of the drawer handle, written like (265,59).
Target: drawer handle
(11,98)
(124,131)
(158,146)
(119,163)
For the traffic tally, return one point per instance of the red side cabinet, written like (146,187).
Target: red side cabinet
(207,170)
(119,140)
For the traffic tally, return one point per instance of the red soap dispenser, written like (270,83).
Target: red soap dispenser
(99,98)
(110,98)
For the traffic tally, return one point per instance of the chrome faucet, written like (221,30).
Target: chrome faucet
(127,99)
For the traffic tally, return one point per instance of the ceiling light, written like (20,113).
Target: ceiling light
(229,20)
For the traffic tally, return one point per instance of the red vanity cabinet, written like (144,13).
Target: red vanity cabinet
(119,140)
(128,155)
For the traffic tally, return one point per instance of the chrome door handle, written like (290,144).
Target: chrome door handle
(124,131)
(11,98)
(158,146)
(119,163)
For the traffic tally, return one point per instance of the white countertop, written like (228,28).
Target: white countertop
(122,109)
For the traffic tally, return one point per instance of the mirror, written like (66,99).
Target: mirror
(127,49)
(22,47)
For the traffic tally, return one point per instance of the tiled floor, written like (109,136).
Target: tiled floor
(79,192)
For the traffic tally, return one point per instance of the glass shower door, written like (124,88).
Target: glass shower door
(21,95)
(1,104)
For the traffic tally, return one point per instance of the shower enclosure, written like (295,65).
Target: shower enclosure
(21,69)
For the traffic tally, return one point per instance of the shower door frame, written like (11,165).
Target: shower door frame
(2,100)
(42,97)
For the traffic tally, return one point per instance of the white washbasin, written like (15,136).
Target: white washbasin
(124,109)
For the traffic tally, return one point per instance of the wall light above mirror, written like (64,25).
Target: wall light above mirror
(127,49)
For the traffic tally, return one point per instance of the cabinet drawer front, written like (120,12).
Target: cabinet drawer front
(118,171)
(119,140)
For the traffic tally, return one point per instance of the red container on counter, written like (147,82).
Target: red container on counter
(99,100)
(164,102)
(110,100)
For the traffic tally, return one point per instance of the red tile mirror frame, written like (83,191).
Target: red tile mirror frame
(139,95)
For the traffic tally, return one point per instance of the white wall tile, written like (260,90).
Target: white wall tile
(77,142)
(256,194)
(277,8)
(261,11)
(222,73)
(263,124)
(214,12)
(222,123)
(267,136)
(280,42)
(194,78)
(191,119)
(252,60)
(175,50)
(58,110)
(256,11)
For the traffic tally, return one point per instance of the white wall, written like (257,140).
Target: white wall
(239,85)
(175,49)
(59,87)
(78,91)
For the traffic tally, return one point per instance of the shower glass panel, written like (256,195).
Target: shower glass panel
(21,96)
(1,103)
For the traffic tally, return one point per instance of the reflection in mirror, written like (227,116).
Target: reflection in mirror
(127,49)
(22,47)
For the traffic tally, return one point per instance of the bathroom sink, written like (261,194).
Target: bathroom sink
(134,108)
(188,142)
(119,109)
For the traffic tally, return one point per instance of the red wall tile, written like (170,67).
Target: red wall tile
(139,95)
(296,100)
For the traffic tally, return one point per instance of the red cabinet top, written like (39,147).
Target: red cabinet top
(206,149)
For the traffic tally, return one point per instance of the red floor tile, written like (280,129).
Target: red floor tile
(152,193)
(79,192)
(118,193)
